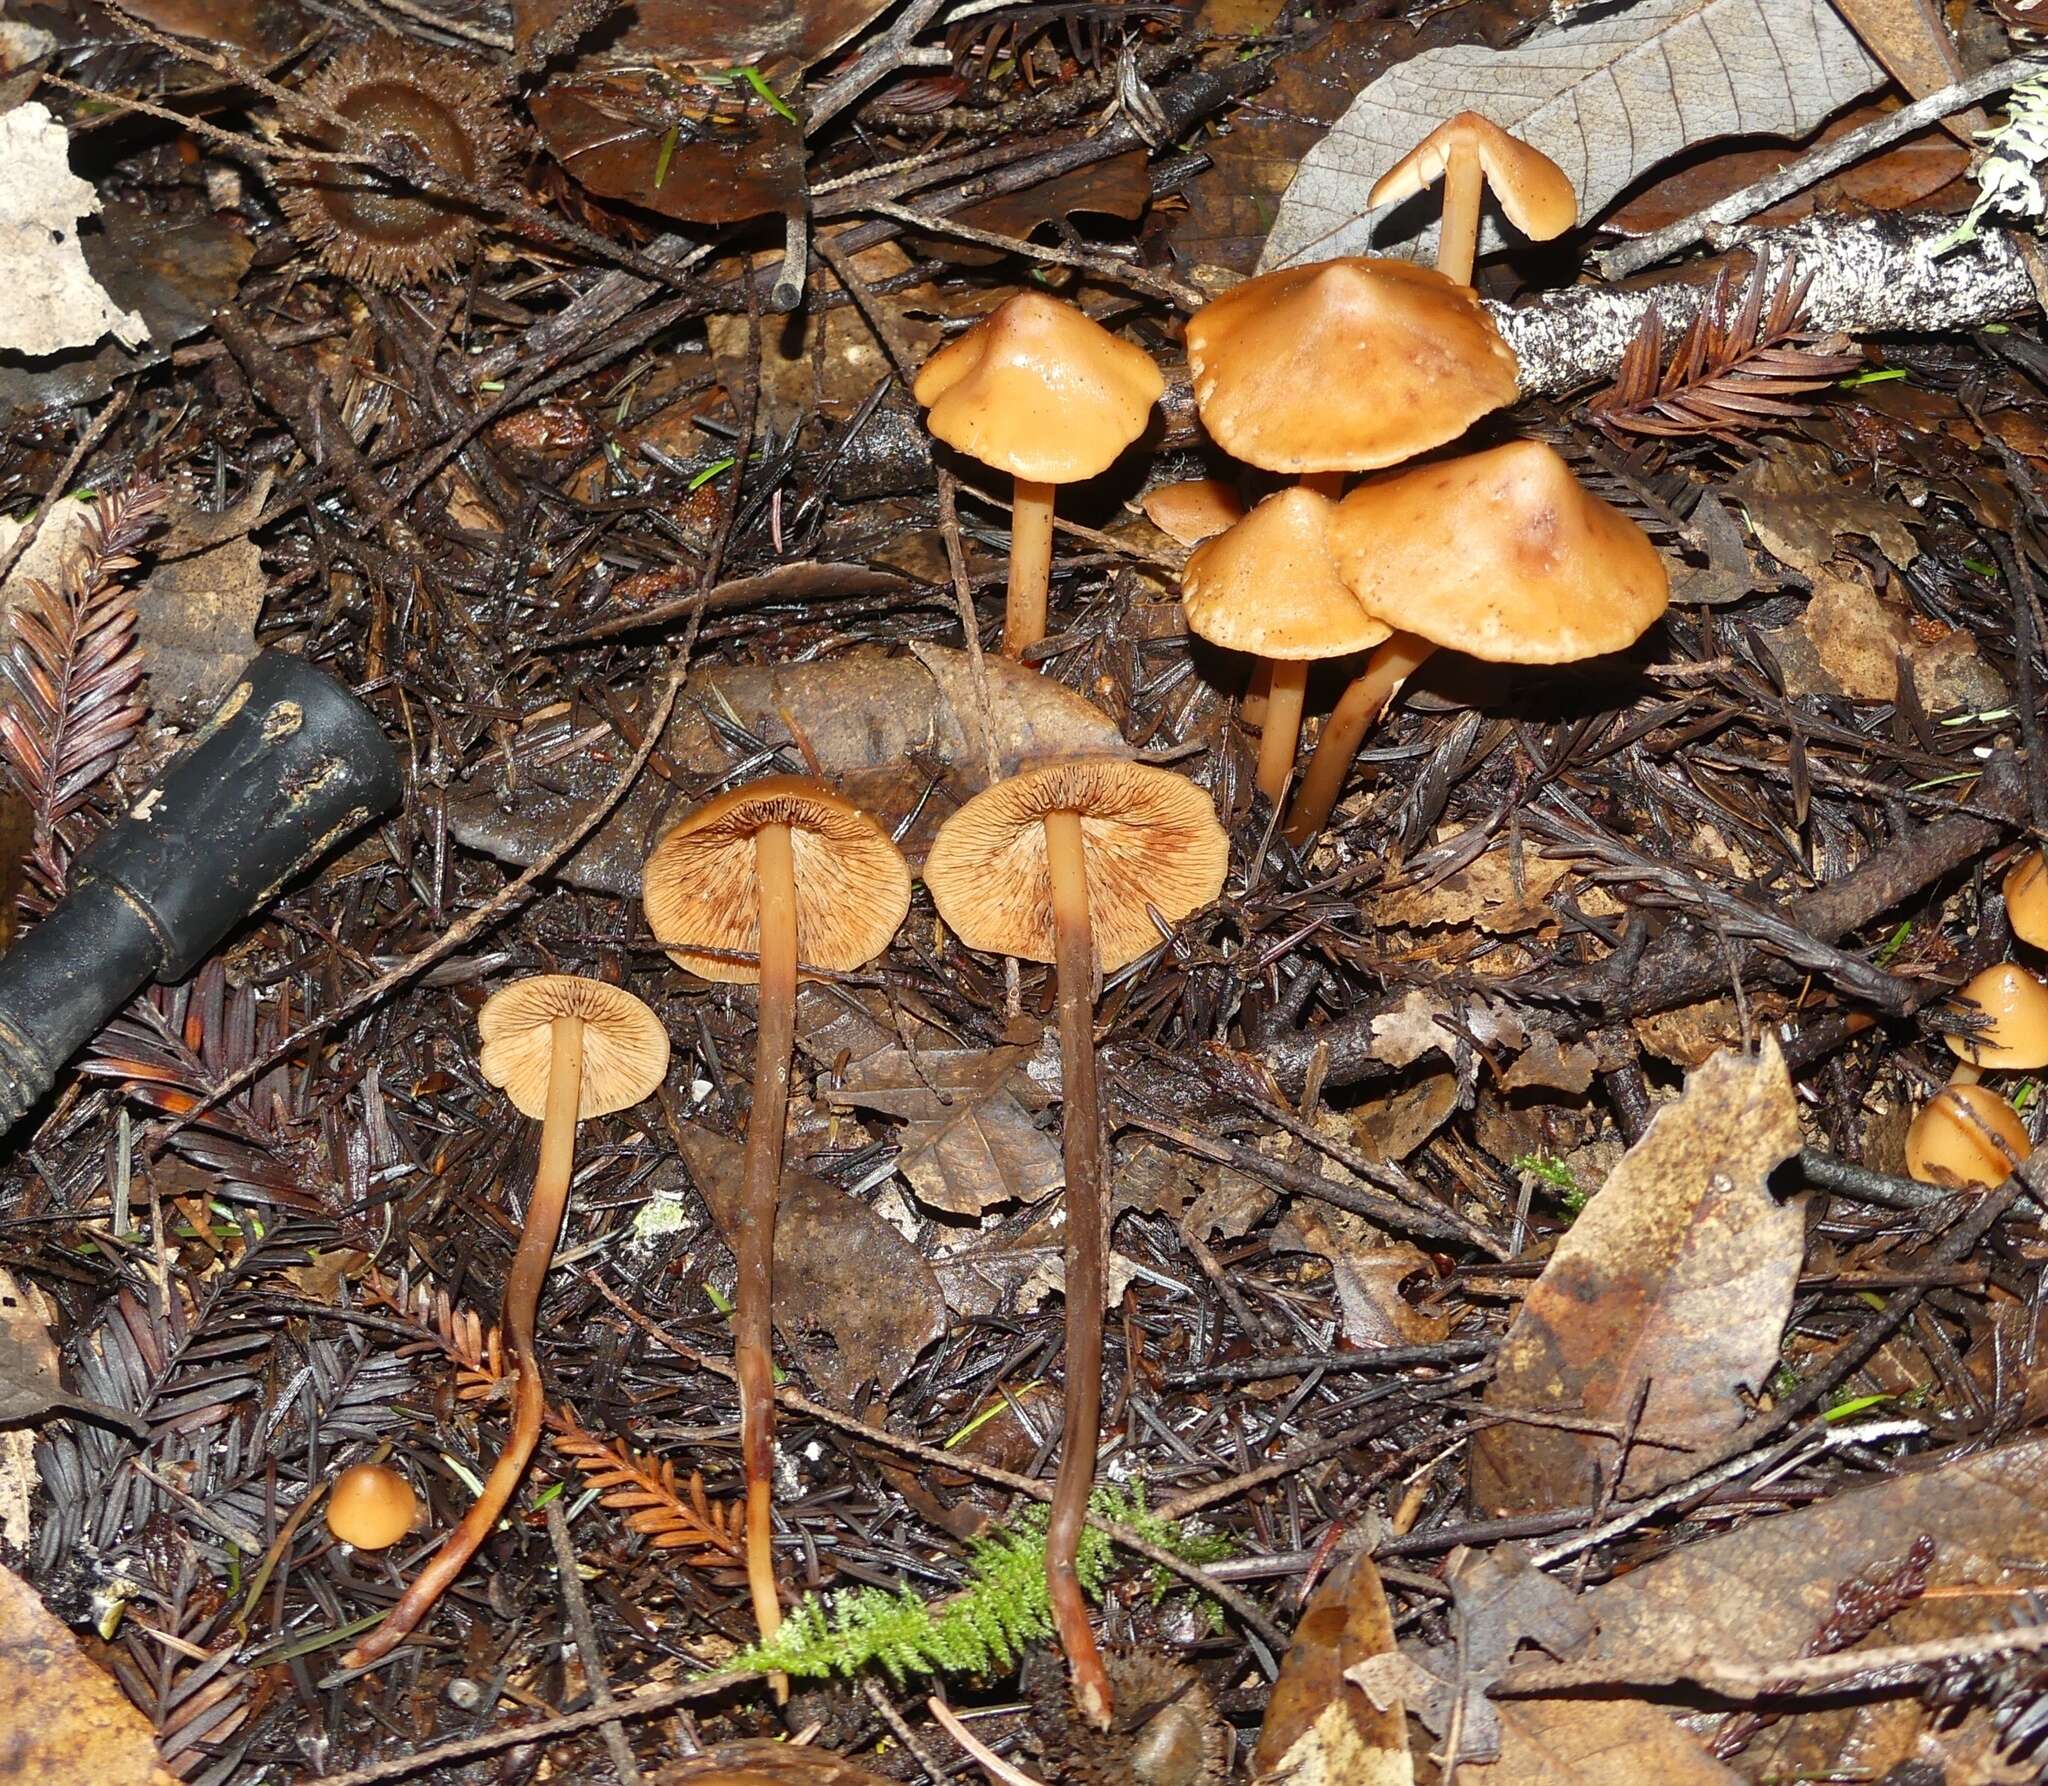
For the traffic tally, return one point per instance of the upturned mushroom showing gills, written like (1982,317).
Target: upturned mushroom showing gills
(561,1048)
(1076,864)
(1344,366)
(1501,555)
(780,871)
(1043,392)
(1471,154)
(1268,587)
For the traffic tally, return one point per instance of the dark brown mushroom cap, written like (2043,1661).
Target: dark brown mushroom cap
(1152,843)
(1346,365)
(1039,390)
(1532,189)
(1502,555)
(625,1049)
(701,891)
(1269,585)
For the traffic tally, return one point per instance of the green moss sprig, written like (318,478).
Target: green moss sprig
(986,1626)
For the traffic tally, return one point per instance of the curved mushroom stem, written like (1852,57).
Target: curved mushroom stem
(1357,707)
(1281,735)
(1457,233)
(760,1190)
(536,1250)
(1251,705)
(1030,566)
(1074,962)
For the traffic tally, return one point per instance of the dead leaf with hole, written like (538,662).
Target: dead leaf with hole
(1608,98)
(49,301)
(1678,1276)
(843,1276)
(84,1731)
(889,731)
(1321,1729)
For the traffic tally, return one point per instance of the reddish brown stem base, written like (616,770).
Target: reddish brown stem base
(1074,963)
(530,1263)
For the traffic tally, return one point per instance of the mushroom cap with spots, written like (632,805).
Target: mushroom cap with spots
(1528,186)
(371,1507)
(625,1049)
(1269,585)
(2016,1004)
(1039,390)
(1951,1141)
(701,890)
(1193,510)
(2026,899)
(1502,555)
(1151,840)
(1345,365)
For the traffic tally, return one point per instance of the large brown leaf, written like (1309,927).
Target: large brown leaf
(1321,1729)
(1677,1276)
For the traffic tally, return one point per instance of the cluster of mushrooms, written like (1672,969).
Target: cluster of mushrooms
(1967,1136)
(1317,373)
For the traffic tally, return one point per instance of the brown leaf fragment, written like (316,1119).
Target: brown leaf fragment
(842,1274)
(1369,1271)
(30,1387)
(1321,1729)
(1799,506)
(1669,1294)
(83,1730)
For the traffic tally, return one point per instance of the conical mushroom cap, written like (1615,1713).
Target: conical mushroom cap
(1501,555)
(1346,365)
(1528,186)
(1040,391)
(1269,585)
(2026,899)
(1951,1140)
(2016,1003)
(1152,843)
(625,1049)
(701,892)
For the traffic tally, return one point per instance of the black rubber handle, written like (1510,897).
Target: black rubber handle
(289,765)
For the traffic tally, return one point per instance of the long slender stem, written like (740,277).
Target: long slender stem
(1030,566)
(1074,962)
(1281,735)
(1357,707)
(1251,706)
(761,1189)
(1457,234)
(536,1250)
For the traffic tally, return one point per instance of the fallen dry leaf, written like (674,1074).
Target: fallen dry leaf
(50,300)
(842,1274)
(1678,1275)
(1369,1270)
(1483,892)
(84,1731)
(883,728)
(26,1313)
(1799,507)
(1850,642)
(30,1385)
(1321,1729)
(1607,98)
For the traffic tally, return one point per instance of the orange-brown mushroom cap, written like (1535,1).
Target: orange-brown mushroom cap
(1193,510)
(1501,555)
(2026,899)
(2016,1004)
(1346,365)
(625,1049)
(1039,390)
(1152,844)
(701,892)
(370,1506)
(1269,585)
(1531,188)
(1952,1140)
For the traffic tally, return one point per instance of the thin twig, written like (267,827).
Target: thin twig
(93,435)
(584,1628)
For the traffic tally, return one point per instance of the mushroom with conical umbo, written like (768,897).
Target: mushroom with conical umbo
(1501,555)
(1076,863)
(561,1048)
(748,885)
(1047,394)
(1268,587)
(1471,154)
